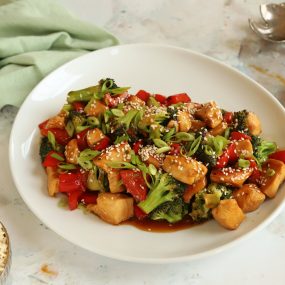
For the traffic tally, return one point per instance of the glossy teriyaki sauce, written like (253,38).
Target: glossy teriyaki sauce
(161,226)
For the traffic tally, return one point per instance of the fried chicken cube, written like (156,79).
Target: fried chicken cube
(184,169)
(52,180)
(273,174)
(253,124)
(249,197)
(118,152)
(219,129)
(244,148)
(184,121)
(95,108)
(135,99)
(196,125)
(234,177)
(228,214)
(211,114)
(113,208)
(57,121)
(93,136)
(72,152)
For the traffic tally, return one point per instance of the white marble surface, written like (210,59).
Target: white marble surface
(217,28)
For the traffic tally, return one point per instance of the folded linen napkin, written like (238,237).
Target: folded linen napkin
(37,36)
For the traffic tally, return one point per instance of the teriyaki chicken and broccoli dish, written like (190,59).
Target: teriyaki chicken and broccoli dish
(151,157)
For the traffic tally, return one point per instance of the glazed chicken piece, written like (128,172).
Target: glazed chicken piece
(228,214)
(273,174)
(113,208)
(231,176)
(249,197)
(53,180)
(184,169)
(211,114)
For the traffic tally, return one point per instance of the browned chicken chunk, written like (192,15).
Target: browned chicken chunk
(228,214)
(219,129)
(244,148)
(210,114)
(196,125)
(94,136)
(273,174)
(231,176)
(72,152)
(113,208)
(249,197)
(118,152)
(95,108)
(184,169)
(136,100)
(253,124)
(53,180)
(184,121)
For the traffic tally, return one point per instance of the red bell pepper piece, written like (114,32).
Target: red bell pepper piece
(178,98)
(50,161)
(279,155)
(175,149)
(228,156)
(135,184)
(82,139)
(70,182)
(228,117)
(160,98)
(139,213)
(89,197)
(102,144)
(61,135)
(236,136)
(42,127)
(73,198)
(137,145)
(78,106)
(143,95)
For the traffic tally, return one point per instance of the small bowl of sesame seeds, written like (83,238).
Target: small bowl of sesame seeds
(5,255)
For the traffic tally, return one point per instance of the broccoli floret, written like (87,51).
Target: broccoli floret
(45,148)
(226,193)
(239,121)
(171,211)
(199,211)
(161,191)
(77,118)
(209,159)
(262,149)
(207,199)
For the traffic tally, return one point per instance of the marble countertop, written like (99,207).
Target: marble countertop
(217,28)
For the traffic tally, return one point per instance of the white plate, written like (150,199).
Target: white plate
(158,69)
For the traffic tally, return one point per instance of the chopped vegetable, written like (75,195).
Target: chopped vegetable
(152,157)
(135,184)
(279,155)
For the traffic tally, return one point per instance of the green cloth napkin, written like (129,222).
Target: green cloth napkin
(37,36)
